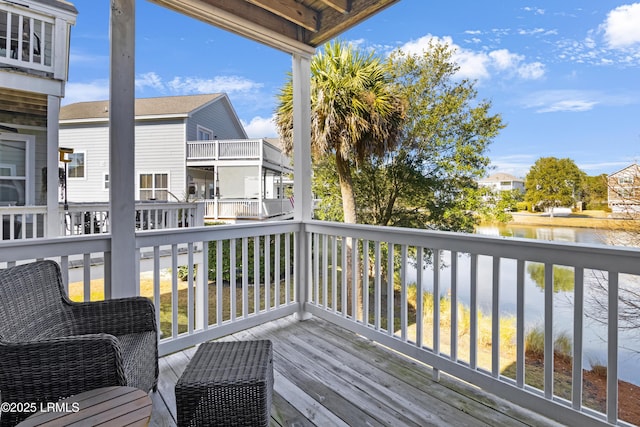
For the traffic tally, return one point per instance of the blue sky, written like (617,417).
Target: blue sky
(564,75)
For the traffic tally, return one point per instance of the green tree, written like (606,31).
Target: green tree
(429,180)
(354,113)
(594,191)
(553,182)
(498,205)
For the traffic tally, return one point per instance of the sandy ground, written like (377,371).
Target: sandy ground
(589,219)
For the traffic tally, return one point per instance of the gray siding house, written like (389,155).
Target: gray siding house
(188,148)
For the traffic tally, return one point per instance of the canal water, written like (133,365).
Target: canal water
(595,332)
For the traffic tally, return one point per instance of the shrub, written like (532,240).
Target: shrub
(523,206)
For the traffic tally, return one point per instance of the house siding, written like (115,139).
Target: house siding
(215,117)
(160,148)
(93,140)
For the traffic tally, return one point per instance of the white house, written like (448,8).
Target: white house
(188,148)
(624,190)
(502,182)
(34,58)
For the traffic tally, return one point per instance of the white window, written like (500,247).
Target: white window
(204,134)
(625,179)
(14,170)
(154,186)
(76,167)
(107,184)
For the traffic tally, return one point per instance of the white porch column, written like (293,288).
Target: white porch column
(52,227)
(124,264)
(301,73)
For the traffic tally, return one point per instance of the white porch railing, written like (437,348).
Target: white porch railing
(256,266)
(246,209)
(385,314)
(27,222)
(92,218)
(23,222)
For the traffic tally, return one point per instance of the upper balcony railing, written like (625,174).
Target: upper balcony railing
(32,41)
(461,303)
(236,149)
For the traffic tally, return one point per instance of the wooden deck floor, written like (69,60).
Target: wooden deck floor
(327,376)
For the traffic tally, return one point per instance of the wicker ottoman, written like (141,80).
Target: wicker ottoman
(227,384)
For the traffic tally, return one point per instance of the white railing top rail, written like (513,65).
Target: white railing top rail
(210,233)
(609,258)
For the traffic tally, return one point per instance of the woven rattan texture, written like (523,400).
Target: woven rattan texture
(227,384)
(51,347)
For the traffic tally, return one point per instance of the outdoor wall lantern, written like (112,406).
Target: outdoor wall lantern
(64,158)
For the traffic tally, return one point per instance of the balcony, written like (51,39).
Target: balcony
(203,152)
(34,40)
(269,271)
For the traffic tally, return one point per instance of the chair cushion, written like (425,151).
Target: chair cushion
(139,351)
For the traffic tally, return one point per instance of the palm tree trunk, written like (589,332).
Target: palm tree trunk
(346,189)
(349,210)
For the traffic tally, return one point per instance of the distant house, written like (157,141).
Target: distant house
(187,148)
(502,182)
(624,190)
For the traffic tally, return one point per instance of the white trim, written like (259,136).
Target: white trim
(85,172)
(204,130)
(153,173)
(105,181)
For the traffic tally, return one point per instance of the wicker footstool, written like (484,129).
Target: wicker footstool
(227,384)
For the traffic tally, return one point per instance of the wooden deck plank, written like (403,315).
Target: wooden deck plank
(464,397)
(339,387)
(325,375)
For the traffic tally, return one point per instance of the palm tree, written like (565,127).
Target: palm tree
(354,113)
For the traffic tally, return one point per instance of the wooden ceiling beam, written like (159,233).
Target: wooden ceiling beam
(341,6)
(291,11)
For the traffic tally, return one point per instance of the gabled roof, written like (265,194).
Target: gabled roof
(634,166)
(161,106)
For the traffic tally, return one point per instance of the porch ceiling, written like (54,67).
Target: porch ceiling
(19,107)
(288,25)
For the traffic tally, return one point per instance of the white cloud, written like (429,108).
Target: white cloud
(503,59)
(82,92)
(481,64)
(228,84)
(554,101)
(535,10)
(151,80)
(531,71)
(622,26)
(261,127)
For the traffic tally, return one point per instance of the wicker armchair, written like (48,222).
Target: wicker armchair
(51,347)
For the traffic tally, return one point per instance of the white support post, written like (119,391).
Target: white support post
(53,208)
(302,169)
(122,149)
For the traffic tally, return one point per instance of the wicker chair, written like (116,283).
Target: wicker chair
(51,347)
